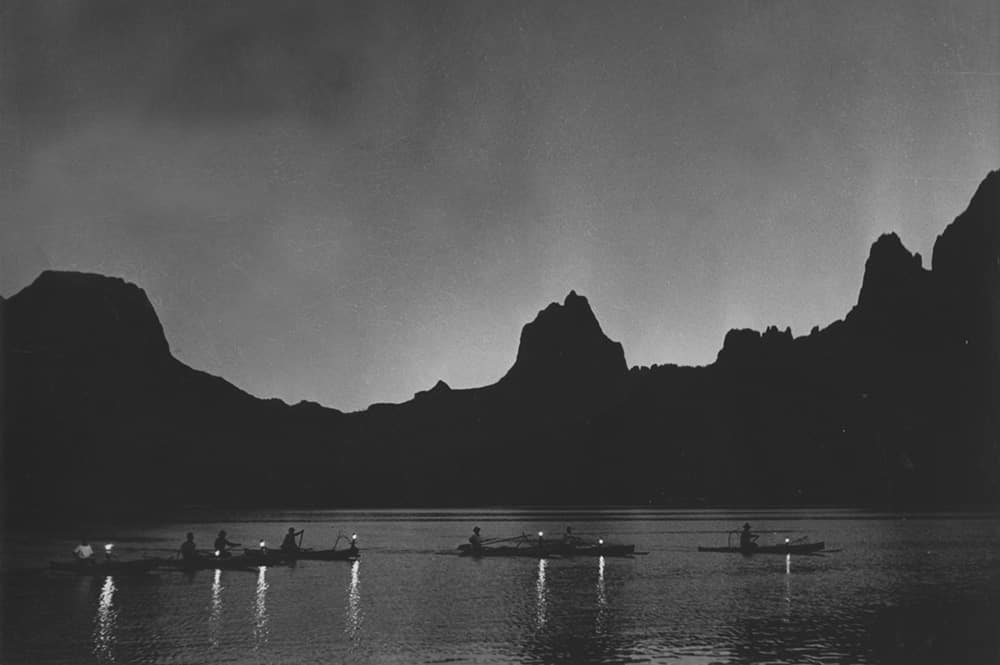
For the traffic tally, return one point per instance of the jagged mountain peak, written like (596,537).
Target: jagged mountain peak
(439,388)
(888,244)
(565,342)
(575,310)
(891,272)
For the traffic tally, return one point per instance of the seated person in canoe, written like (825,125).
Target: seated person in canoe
(222,545)
(84,553)
(475,541)
(289,544)
(748,539)
(188,550)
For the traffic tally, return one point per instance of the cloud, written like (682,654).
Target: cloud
(195,63)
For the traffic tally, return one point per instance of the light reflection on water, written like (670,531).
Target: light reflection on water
(354,615)
(260,632)
(104,623)
(602,597)
(216,613)
(788,588)
(891,577)
(540,593)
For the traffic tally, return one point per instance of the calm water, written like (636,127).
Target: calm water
(919,588)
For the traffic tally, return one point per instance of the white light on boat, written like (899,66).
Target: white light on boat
(218,553)
(540,534)
(354,536)
(107,548)
(600,541)
(786,541)
(263,544)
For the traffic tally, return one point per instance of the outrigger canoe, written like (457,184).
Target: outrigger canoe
(555,549)
(112,567)
(785,548)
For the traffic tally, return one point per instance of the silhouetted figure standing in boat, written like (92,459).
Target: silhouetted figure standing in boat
(289,544)
(748,539)
(475,542)
(222,545)
(188,550)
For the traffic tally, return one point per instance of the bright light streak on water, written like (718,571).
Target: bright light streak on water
(354,615)
(540,589)
(104,630)
(602,597)
(216,615)
(788,588)
(260,613)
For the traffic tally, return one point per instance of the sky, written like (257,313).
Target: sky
(347,201)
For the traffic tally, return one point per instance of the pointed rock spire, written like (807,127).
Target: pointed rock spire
(564,344)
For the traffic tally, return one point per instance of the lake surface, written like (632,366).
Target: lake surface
(897,589)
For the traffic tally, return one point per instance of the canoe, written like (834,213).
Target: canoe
(207,563)
(282,556)
(112,567)
(548,550)
(789,548)
(261,558)
(328,555)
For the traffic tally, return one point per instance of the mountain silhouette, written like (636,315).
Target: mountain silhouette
(897,404)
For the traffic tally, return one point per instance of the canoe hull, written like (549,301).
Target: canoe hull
(554,550)
(329,555)
(801,548)
(105,567)
(277,556)
(206,563)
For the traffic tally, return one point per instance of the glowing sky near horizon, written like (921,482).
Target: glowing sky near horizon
(346,202)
